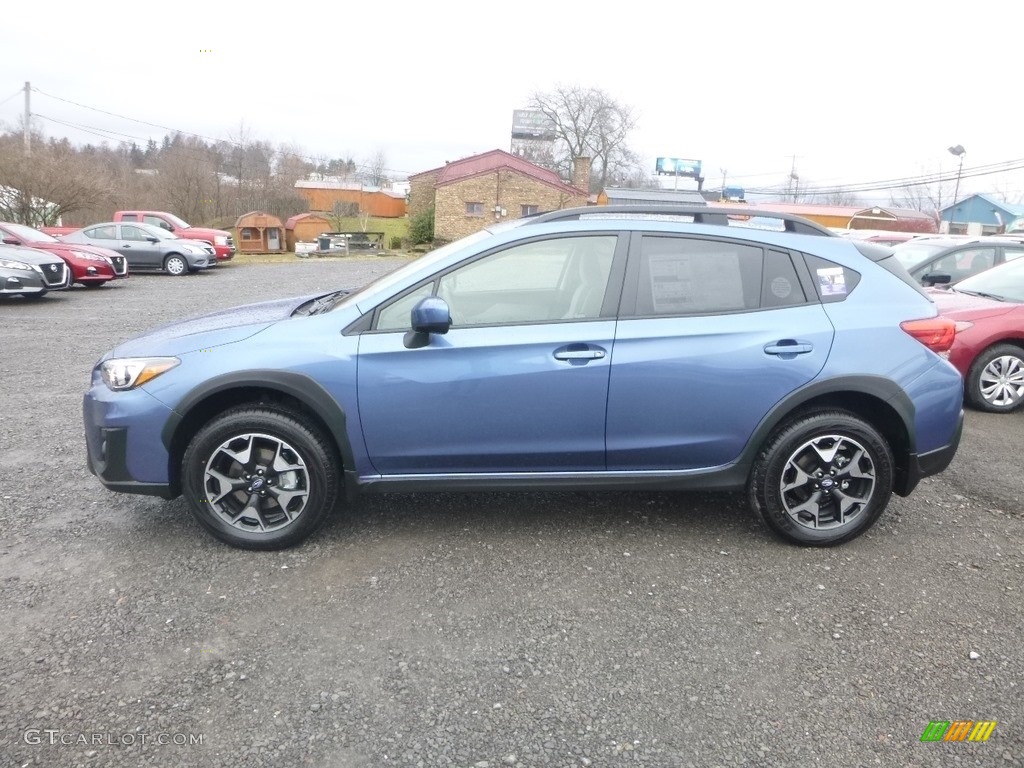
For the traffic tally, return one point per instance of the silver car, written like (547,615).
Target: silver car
(146,247)
(31,273)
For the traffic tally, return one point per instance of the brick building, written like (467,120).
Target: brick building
(470,193)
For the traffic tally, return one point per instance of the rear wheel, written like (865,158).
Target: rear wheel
(175,264)
(822,479)
(258,477)
(995,382)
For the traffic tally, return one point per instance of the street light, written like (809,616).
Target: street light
(958,151)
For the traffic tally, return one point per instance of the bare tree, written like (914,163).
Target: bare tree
(375,169)
(588,122)
(52,183)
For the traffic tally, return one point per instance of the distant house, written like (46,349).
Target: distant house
(854,216)
(978,215)
(375,201)
(624,196)
(35,212)
(470,193)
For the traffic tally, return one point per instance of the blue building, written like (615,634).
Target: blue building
(978,215)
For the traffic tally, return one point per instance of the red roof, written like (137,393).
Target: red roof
(290,224)
(477,165)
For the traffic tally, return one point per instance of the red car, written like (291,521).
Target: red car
(89,265)
(989,346)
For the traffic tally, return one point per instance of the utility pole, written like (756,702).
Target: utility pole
(28,119)
(794,181)
(724,174)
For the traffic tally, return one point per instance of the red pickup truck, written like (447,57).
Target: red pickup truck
(222,242)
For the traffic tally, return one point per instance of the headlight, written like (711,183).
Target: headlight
(220,240)
(8,264)
(131,372)
(90,256)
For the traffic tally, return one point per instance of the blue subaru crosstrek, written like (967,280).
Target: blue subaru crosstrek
(592,348)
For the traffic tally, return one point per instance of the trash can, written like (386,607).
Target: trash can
(323,243)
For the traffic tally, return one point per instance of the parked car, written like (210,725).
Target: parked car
(946,260)
(989,345)
(90,266)
(31,273)
(222,241)
(146,247)
(625,348)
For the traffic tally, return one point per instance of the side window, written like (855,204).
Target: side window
(546,280)
(108,232)
(685,276)
(395,316)
(974,260)
(832,281)
(132,233)
(156,221)
(129,217)
(1009,254)
(781,286)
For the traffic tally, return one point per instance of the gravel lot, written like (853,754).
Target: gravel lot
(555,629)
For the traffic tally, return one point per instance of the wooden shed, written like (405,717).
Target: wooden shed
(305,227)
(259,232)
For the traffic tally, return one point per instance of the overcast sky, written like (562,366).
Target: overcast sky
(858,92)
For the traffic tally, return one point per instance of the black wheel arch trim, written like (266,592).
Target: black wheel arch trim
(874,386)
(299,386)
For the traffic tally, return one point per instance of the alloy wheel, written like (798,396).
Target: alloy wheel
(827,482)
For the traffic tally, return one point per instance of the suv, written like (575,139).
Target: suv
(592,348)
(946,260)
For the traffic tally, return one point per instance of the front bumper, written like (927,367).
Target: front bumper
(920,466)
(122,436)
(224,252)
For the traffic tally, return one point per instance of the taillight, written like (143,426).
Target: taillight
(936,333)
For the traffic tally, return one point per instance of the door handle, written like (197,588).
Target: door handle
(126,246)
(787,349)
(578,353)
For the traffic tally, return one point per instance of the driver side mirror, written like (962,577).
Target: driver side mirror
(152,239)
(936,278)
(430,315)
(12,241)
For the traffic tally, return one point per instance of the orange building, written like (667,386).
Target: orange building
(323,195)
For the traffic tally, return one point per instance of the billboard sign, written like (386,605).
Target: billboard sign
(676,166)
(532,124)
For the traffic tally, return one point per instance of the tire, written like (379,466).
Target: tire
(995,381)
(240,449)
(803,507)
(176,265)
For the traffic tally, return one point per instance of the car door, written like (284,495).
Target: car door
(136,245)
(520,381)
(712,334)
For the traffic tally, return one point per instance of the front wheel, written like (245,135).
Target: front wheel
(258,477)
(822,479)
(175,265)
(995,382)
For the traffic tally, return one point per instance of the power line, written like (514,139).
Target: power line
(240,145)
(14,95)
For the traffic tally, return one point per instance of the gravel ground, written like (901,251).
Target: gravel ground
(543,629)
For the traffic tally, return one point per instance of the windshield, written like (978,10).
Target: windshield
(177,222)
(393,278)
(1005,282)
(912,254)
(30,235)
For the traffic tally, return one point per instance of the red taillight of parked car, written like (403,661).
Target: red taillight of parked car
(936,333)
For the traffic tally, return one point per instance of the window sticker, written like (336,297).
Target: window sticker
(781,287)
(832,281)
(681,284)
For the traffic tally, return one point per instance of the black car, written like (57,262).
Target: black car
(948,260)
(31,273)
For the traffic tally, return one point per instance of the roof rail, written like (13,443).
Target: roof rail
(701,214)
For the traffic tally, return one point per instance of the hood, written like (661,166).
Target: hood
(963,306)
(206,232)
(27,255)
(215,329)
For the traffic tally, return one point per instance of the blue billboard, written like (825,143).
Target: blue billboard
(676,166)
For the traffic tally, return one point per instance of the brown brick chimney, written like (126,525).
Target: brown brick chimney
(581,173)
